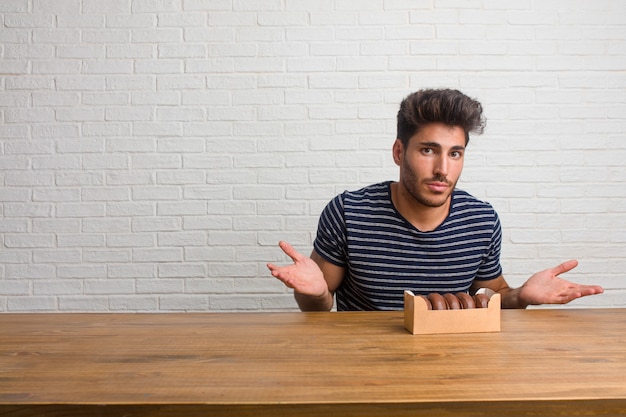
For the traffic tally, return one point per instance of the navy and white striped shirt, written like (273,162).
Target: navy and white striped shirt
(384,254)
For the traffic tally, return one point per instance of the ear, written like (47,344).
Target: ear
(398,151)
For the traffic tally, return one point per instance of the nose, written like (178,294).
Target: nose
(441,166)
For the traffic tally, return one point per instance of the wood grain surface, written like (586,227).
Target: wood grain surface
(542,362)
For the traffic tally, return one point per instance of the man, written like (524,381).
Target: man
(420,233)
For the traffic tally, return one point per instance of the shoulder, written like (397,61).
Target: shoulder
(364,201)
(462,199)
(370,193)
(466,207)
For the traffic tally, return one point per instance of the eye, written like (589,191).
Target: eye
(427,151)
(456,154)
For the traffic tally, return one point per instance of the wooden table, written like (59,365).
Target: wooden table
(543,362)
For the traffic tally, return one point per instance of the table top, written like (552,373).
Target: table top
(541,359)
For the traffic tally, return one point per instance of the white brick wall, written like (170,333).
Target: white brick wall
(153,152)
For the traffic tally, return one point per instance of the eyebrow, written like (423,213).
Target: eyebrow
(438,146)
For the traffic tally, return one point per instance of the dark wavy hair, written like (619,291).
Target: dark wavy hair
(450,107)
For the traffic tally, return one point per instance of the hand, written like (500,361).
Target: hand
(545,287)
(304,275)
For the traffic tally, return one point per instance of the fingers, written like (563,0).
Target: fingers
(565,267)
(281,273)
(290,251)
(273,268)
(575,290)
(284,273)
(584,290)
(593,289)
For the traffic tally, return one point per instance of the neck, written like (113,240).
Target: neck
(422,217)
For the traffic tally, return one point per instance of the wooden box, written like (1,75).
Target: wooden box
(418,319)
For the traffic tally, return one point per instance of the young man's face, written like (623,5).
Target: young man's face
(431,164)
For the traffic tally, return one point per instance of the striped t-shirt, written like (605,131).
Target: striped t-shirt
(384,254)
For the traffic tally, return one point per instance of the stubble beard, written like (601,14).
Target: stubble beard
(412,187)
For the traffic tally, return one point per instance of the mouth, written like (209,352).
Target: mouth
(437,186)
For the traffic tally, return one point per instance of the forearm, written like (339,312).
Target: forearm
(511,298)
(314,303)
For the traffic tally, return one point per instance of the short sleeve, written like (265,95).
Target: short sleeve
(491,267)
(330,242)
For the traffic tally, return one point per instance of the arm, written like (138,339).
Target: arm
(544,287)
(314,280)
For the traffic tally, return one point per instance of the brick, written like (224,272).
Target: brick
(142,51)
(28,51)
(189,302)
(134,113)
(112,7)
(52,256)
(234,303)
(131,271)
(147,6)
(15,256)
(29,179)
(80,52)
(184,20)
(107,66)
(14,225)
(30,210)
(187,51)
(71,20)
(154,224)
(124,145)
(107,161)
(130,240)
(154,152)
(81,272)
(106,256)
(210,5)
(182,114)
(69,287)
(51,194)
(152,192)
(137,303)
(82,240)
(109,286)
(14,6)
(14,287)
(27,82)
(106,36)
(25,115)
(22,20)
(59,36)
(32,304)
(209,286)
(182,271)
(207,223)
(186,145)
(83,303)
(219,254)
(157,129)
(284,302)
(105,194)
(80,115)
(131,82)
(129,21)
(24,271)
(56,99)
(78,83)
(187,208)
(211,34)
(152,98)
